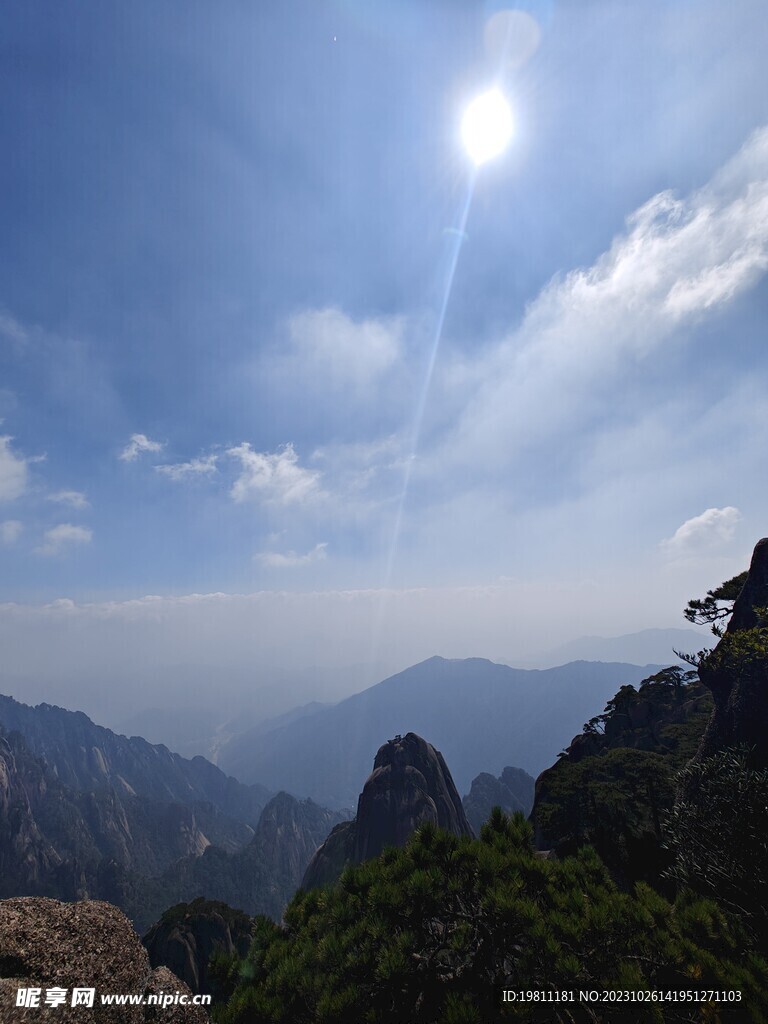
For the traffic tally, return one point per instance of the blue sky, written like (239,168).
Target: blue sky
(226,230)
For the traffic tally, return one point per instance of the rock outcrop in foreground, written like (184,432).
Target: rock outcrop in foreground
(410,784)
(45,944)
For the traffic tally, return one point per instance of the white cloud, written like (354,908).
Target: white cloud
(714,527)
(678,260)
(290,560)
(139,443)
(343,351)
(60,537)
(274,477)
(194,468)
(75,499)
(13,472)
(10,531)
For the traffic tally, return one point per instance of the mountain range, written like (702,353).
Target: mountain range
(483,716)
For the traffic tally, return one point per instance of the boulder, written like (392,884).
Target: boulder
(46,944)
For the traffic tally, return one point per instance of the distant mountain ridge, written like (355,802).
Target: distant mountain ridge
(481,715)
(641,648)
(85,756)
(85,813)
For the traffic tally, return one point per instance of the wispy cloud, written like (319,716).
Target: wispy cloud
(59,538)
(138,444)
(343,351)
(186,470)
(274,477)
(290,560)
(10,531)
(678,260)
(713,528)
(13,472)
(75,499)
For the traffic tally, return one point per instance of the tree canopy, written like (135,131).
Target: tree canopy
(437,931)
(717,605)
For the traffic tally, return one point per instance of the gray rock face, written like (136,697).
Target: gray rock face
(410,784)
(187,936)
(87,757)
(262,877)
(45,944)
(512,791)
(739,685)
(96,844)
(28,862)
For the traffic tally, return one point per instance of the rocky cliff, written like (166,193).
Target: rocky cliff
(86,757)
(410,784)
(143,854)
(262,876)
(188,935)
(45,944)
(100,844)
(737,671)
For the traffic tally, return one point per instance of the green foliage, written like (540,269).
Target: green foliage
(614,802)
(742,653)
(717,833)
(613,787)
(436,931)
(717,605)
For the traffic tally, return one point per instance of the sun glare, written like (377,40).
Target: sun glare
(486,127)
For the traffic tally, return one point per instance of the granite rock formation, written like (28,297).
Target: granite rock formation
(737,671)
(86,757)
(141,854)
(410,784)
(262,876)
(99,844)
(188,935)
(512,791)
(46,944)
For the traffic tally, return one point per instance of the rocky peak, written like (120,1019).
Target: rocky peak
(410,784)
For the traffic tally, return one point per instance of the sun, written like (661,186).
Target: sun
(487,126)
